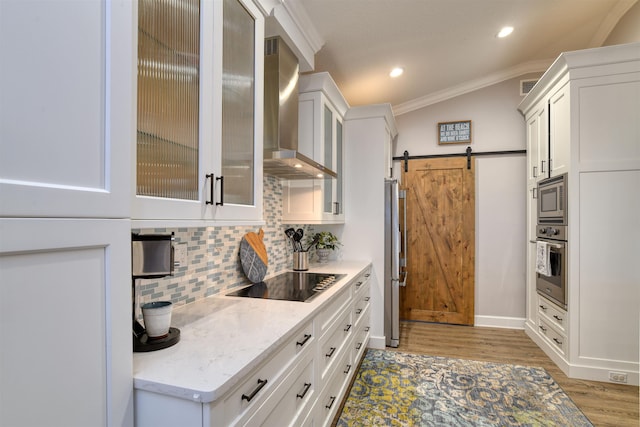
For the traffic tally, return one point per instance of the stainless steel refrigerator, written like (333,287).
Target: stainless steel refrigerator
(394,265)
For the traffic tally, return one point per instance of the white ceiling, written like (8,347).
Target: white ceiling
(447,47)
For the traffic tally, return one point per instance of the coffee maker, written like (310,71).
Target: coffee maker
(151,257)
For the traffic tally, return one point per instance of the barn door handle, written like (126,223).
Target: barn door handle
(402,195)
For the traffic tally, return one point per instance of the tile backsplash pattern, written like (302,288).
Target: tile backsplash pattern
(213,262)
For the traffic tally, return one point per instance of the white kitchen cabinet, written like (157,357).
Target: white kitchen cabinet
(213,172)
(320,137)
(593,99)
(66,109)
(65,320)
(304,386)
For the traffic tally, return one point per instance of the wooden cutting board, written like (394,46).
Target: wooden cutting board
(253,256)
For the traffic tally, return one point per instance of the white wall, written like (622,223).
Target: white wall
(500,190)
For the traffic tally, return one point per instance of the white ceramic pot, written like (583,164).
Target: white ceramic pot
(157,318)
(323,255)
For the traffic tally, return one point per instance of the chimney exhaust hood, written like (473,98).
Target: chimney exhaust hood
(281,155)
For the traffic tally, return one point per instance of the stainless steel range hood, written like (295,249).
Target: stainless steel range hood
(281,155)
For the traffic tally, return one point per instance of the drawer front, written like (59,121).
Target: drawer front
(328,315)
(260,384)
(333,343)
(553,314)
(362,280)
(361,336)
(334,391)
(361,305)
(292,400)
(554,337)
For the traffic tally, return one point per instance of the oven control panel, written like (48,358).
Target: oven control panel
(556,232)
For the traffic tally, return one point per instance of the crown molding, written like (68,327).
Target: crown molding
(471,86)
(610,21)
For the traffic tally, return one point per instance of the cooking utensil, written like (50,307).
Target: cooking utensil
(290,232)
(298,235)
(313,243)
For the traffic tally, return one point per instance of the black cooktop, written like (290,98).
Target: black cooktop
(290,286)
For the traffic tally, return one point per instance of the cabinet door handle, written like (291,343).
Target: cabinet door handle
(347,328)
(535,172)
(307,386)
(542,166)
(221,202)
(558,318)
(331,351)
(336,208)
(304,341)
(346,371)
(261,383)
(211,177)
(534,193)
(330,404)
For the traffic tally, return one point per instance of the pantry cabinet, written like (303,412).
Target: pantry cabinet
(67,119)
(592,103)
(320,137)
(199,140)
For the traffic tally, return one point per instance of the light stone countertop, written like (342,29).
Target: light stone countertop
(223,338)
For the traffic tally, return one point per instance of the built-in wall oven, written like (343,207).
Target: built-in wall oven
(551,240)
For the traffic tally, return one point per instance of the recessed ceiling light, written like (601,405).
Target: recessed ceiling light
(297,165)
(396,72)
(504,32)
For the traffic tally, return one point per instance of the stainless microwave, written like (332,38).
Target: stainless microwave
(552,200)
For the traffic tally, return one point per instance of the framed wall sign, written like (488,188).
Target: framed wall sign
(454,132)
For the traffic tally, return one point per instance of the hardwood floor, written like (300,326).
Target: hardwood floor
(605,404)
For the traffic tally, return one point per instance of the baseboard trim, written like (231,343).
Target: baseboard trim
(499,322)
(377,342)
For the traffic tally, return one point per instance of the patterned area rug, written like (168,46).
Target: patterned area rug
(399,389)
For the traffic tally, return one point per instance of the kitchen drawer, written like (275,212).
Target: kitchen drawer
(261,383)
(334,309)
(334,390)
(558,340)
(333,342)
(361,335)
(361,280)
(552,313)
(292,400)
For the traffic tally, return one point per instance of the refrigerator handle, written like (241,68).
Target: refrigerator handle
(402,274)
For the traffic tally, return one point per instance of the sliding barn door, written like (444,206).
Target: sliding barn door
(440,239)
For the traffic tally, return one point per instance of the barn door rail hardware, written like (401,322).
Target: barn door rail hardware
(468,153)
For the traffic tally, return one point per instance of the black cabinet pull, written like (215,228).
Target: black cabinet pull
(333,399)
(366,329)
(307,386)
(557,341)
(367,299)
(558,318)
(358,284)
(543,308)
(346,371)
(304,341)
(331,351)
(542,328)
(358,346)
(221,202)
(358,311)
(261,383)
(347,328)
(367,275)
(210,200)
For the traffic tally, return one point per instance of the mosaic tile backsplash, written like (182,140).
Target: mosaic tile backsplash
(213,264)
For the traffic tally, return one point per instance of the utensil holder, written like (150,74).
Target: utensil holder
(301,261)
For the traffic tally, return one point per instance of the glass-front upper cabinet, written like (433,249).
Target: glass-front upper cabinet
(333,206)
(199,111)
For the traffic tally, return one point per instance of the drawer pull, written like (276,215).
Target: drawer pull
(367,275)
(358,284)
(542,307)
(358,346)
(331,351)
(304,341)
(367,299)
(307,386)
(333,399)
(366,329)
(358,311)
(558,318)
(543,329)
(347,328)
(346,371)
(557,341)
(261,383)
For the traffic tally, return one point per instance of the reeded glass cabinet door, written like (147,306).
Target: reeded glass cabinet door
(238,112)
(168,99)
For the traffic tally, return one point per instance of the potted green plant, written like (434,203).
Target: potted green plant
(324,242)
